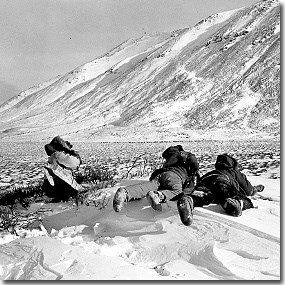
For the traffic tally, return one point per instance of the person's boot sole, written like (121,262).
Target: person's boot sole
(155,206)
(185,211)
(233,207)
(119,200)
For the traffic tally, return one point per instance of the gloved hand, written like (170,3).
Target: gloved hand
(259,188)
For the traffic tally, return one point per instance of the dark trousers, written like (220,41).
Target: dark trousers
(201,199)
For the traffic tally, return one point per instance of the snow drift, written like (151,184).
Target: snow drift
(87,243)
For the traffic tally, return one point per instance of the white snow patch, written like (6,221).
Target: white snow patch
(170,112)
(277,29)
(269,121)
(249,64)
(126,60)
(242,106)
(191,75)
(118,65)
(247,101)
(195,32)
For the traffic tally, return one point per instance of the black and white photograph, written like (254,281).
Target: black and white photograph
(140,140)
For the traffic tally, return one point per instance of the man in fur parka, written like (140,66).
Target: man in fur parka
(226,185)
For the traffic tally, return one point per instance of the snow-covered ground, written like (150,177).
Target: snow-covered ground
(87,243)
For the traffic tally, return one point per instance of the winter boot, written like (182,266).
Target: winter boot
(233,207)
(120,197)
(185,206)
(246,203)
(155,198)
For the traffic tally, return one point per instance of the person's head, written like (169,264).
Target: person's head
(172,156)
(225,161)
(171,150)
(58,144)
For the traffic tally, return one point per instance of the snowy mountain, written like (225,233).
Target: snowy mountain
(221,76)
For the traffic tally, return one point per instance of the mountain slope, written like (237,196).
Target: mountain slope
(221,74)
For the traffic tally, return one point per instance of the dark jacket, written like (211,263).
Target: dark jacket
(226,181)
(181,162)
(176,156)
(179,170)
(229,165)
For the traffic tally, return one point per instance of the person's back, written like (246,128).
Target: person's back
(229,165)
(184,163)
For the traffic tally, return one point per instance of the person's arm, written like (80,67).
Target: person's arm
(198,176)
(157,172)
(193,164)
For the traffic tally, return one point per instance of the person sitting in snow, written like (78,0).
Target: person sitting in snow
(226,185)
(179,173)
(62,161)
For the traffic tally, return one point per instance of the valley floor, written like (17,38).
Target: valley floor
(88,243)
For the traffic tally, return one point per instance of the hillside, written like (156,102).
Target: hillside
(218,79)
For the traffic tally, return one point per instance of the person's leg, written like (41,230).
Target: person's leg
(232,207)
(155,198)
(191,183)
(170,185)
(133,192)
(60,191)
(140,190)
(200,197)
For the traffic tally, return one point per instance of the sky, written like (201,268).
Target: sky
(41,39)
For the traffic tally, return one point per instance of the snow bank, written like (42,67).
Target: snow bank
(139,243)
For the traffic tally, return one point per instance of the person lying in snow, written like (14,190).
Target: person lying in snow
(62,160)
(225,185)
(179,173)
